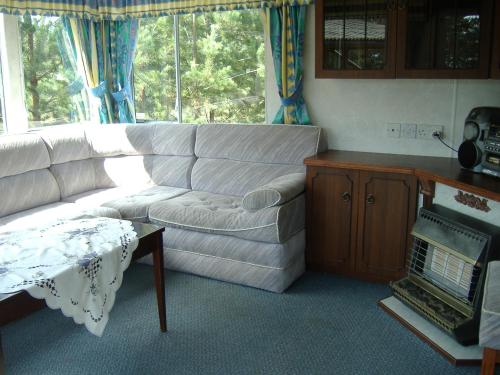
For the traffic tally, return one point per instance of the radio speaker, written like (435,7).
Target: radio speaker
(477,123)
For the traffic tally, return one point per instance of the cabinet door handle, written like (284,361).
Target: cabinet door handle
(346,197)
(391,5)
(370,199)
(402,4)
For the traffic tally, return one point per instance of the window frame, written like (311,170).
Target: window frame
(15,114)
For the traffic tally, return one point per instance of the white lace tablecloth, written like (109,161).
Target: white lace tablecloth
(76,266)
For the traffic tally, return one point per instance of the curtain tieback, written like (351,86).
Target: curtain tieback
(99,90)
(121,95)
(75,87)
(295,98)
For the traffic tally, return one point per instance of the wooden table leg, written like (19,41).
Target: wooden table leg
(160,281)
(489,361)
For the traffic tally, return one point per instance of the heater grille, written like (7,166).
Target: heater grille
(444,269)
(452,269)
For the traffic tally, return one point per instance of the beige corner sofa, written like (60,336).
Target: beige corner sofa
(231,196)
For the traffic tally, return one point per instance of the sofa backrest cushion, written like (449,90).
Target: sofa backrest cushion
(66,143)
(280,144)
(172,170)
(27,190)
(74,177)
(123,171)
(174,139)
(235,159)
(100,156)
(22,153)
(120,139)
(237,178)
(173,146)
(144,170)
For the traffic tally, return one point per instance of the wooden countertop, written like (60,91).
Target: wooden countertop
(427,168)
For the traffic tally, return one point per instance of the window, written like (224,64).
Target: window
(52,91)
(2,122)
(221,66)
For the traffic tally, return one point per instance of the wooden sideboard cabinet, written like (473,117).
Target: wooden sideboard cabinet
(358,221)
(361,207)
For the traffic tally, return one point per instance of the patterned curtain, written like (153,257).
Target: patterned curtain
(89,43)
(286,31)
(123,36)
(122,9)
(76,87)
(105,51)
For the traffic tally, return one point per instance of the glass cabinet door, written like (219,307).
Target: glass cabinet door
(355,38)
(495,53)
(443,38)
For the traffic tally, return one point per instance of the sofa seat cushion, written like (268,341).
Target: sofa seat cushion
(49,212)
(223,214)
(133,203)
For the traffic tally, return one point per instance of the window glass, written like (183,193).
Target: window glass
(355,34)
(2,121)
(154,70)
(53,94)
(443,34)
(221,65)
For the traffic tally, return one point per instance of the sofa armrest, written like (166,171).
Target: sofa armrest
(280,190)
(489,332)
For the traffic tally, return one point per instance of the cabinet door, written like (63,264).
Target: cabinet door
(495,50)
(331,201)
(444,38)
(386,214)
(355,38)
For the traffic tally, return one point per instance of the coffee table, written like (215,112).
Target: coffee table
(150,237)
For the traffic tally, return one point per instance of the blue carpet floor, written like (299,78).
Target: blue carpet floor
(322,325)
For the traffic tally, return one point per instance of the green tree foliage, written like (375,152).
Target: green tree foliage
(45,80)
(154,69)
(222,68)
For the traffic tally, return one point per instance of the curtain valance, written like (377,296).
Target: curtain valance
(122,9)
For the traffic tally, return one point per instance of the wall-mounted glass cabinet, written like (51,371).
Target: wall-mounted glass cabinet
(404,38)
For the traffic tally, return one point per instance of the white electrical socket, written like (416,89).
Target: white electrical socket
(393,130)
(409,131)
(425,131)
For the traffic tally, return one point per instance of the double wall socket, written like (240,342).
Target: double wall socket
(412,131)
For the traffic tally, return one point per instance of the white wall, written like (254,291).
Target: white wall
(355,111)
